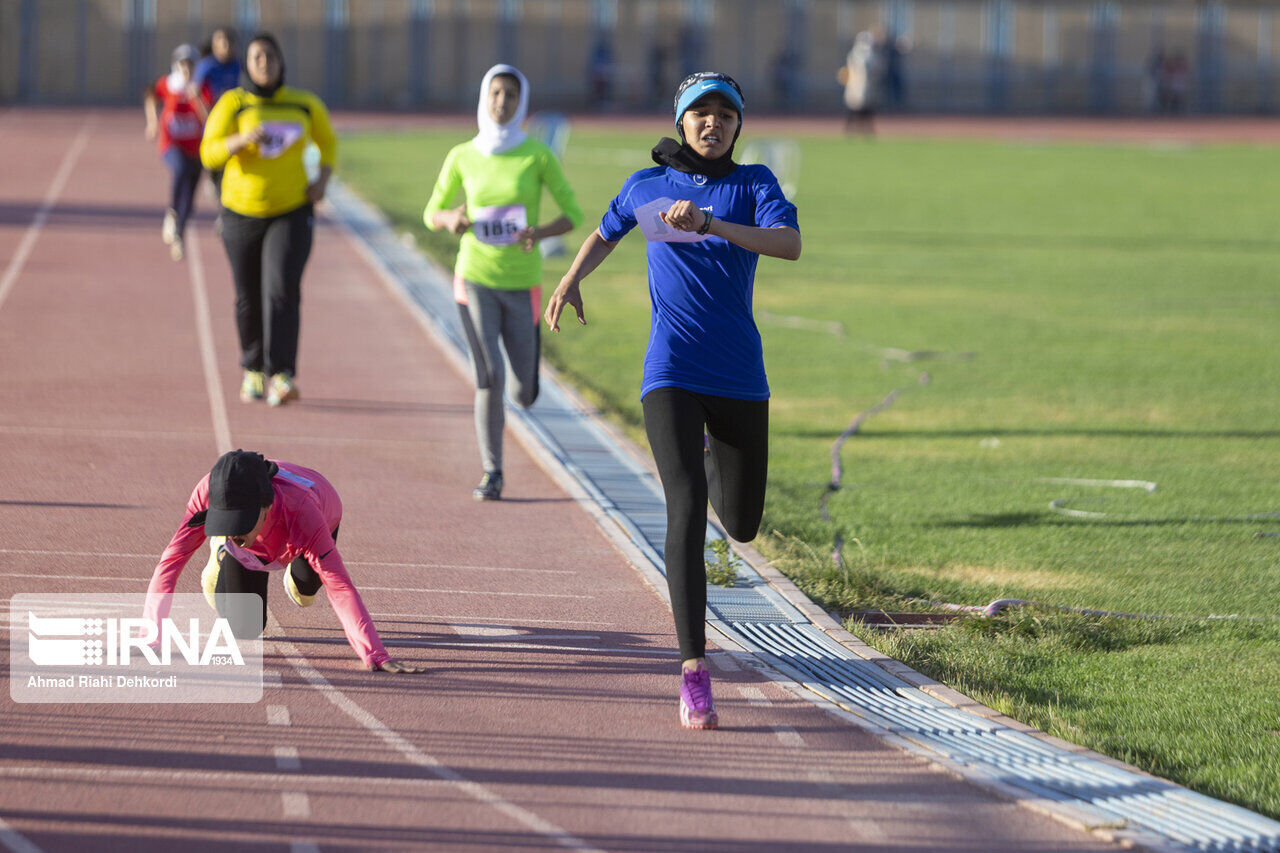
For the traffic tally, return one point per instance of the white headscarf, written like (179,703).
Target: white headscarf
(495,138)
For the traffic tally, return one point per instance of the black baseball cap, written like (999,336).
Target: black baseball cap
(239,487)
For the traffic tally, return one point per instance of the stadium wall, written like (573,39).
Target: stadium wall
(1002,56)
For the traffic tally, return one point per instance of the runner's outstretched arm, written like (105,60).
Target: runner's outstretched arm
(593,252)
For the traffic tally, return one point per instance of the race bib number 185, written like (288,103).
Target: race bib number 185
(499,225)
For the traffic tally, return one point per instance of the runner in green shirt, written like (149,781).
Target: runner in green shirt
(501,173)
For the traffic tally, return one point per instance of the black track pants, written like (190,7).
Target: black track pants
(730,468)
(267,258)
(233,577)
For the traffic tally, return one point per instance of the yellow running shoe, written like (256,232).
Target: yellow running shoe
(296,595)
(281,389)
(209,577)
(253,386)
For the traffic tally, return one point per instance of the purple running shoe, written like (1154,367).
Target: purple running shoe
(697,711)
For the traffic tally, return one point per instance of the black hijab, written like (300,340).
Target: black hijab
(246,82)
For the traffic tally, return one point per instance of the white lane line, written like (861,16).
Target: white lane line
(788,736)
(354,563)
(754,695)
(295,804)
(278,715)
(462,643)
(16,841)
(271,679)
(421,759)
(40,552)
(508,632)
(286,757)
(146,435)
(208,355)
(303,847)
(463,568)
(19,259)
(238,780)
(494,619)
(473,592)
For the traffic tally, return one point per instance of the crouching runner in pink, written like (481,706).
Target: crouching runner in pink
(264,516)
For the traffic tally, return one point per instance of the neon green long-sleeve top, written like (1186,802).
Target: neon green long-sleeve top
(503,193)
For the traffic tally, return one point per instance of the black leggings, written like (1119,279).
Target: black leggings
(267,258)
(730,468)
(233,577)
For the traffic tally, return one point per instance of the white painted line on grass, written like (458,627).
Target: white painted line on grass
(286,757)
(60,178)
(295,804)
(208,355)
(421,759)
(278,715)
(788,736)
(754,695)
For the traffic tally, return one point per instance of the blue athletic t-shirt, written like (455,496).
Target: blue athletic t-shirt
(702,336)
(221,76)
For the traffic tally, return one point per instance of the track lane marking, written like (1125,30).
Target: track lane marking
(60,178)
(421,759)
(286,757)
(278,715)
(238,780)
(295,804)
(208,354)
(312,675)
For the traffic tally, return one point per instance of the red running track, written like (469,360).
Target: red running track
(547,718)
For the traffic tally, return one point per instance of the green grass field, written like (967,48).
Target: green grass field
(1093,312)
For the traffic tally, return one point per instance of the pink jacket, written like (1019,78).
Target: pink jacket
(304,513)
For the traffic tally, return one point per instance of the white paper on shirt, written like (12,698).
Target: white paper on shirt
(499,225)
(250,560)
(654,229)
(280,136)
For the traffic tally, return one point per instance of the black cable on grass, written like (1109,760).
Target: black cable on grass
(837,467)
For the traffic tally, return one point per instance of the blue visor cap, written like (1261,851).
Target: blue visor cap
(697,86)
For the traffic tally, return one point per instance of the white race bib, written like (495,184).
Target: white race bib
(280,136)
(654,229)
(498,226)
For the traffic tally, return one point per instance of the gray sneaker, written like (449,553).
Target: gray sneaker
(490,488)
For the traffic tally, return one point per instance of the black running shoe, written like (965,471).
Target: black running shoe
(490,488)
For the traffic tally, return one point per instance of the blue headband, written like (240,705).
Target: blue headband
(697,86)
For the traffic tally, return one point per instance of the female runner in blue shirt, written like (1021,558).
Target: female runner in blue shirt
(707,220)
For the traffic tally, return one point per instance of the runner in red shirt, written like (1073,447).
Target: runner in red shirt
(176,121)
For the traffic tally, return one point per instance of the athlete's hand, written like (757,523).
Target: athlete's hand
(567,293)
(456,220)
(397,667)
(151,131)
(684,216)
(527,237)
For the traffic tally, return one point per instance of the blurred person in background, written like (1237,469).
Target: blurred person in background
(258,133)
(858,76)
(219,71)
(175,114)
(707,221)
(501,172)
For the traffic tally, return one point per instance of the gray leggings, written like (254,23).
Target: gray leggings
(490,315)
